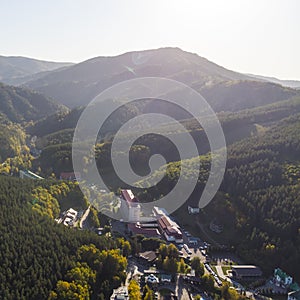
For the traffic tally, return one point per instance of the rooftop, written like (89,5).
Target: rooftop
(128,196)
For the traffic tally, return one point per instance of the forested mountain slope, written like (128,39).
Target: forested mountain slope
(40,258)
(23,105)
(258,202)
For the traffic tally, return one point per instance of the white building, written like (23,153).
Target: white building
(193,210)
(130,207)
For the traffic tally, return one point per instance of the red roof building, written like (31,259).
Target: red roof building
(170,229)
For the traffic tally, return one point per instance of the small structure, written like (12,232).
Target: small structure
(28,174)
(193,210)
(282,279)
(70,217)
(165,278)
(71,176)
(120,293)
(295,295)
(152,279)
(246,271)
(149,256)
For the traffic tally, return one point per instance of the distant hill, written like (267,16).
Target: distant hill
(295,84)
(16,69)
(22,105)
(79,84)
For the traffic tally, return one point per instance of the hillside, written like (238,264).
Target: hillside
(80,83)
(14,69)
(288,83)
(40,257)
(258,203)
(22,105)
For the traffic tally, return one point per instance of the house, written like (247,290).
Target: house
(295,295)
(152,279)
(246,271)
(120,293)
(149,256)
(71,176)
(282,279)
(29,174)
(130,206)
(193,210)
(165,278)
(70,216)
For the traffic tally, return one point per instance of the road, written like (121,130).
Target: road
(84,216)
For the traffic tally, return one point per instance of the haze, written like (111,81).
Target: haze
(260,37)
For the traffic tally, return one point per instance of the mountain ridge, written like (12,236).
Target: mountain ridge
(12,68)
(77,85)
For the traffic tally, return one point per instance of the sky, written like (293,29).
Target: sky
(249,36)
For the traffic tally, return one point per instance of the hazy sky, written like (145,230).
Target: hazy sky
(253,36)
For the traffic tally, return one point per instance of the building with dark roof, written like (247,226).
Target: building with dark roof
(136,228)
(149,256)
(244,271)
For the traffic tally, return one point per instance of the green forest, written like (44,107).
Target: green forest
(41,259)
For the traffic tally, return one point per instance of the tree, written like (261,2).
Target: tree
(134,290)
(197,266)
(148,294)
(70,291)
(170,265)
(181,267)
(163,251)
(208,282)
(173,251)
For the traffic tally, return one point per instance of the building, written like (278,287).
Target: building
(149,256)
(170,230)
(282,279)
(167,227)
(137,228)
(165,278)
(120,293)
(71,176)
(29,174)
(130,206)
(159,212)
(193,210)
(70,216)
(246,271)
(295,295)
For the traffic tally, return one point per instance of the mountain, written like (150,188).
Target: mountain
(18,69)
(295,84)
(78,84)
(19,104)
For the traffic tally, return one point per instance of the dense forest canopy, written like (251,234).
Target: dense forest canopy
(40,257)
